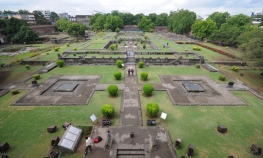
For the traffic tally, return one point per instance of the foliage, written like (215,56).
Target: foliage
(40,19)
(146,36)
(107,110)
(219,18)
(140,64)
(54,15)
(99,22)
(235,68)
(197,66)
(147,89)
(181,21)
(21,11)
(60,63)
(119,63)
(144,46)
(152,17)
(75,49)
(63,24)
(113,22)
(56,48)
(145,24)
(113,90)
(152,109)
(117,30)
(67,44)
(14,91)
(203,28)
(27,66)
(117,75)
(127,18)
(196,48)
(144,76)
(112,46)
(25,34)
(12,26)
(76,29)
(161,20)
(36,76)
(222,78)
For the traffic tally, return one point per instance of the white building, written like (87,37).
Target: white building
(63,15)
(46,13)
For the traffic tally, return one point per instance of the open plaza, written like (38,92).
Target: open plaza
(199,114)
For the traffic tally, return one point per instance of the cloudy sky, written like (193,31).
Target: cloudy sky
(77,7)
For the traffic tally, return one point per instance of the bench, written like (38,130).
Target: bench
(153,143)
(108,143)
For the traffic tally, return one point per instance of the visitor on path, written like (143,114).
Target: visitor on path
(108,134)
(88,145)
(129,71)
(132,71)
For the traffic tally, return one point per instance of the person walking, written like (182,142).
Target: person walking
(108,134)
(132,71)
(129,71)
(88,145)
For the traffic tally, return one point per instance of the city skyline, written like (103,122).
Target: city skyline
(80,7)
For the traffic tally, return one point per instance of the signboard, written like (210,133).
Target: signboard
(163,115)
(93,118)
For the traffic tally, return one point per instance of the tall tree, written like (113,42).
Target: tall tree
(152,16)
(161,20)
(239,20)
(25,34)
(40,19)
(114,13)
(21,11)
(113,22)
(99,22)
(2,23)
(93,18)
(203,28)
(181,21)
(76,29)
(251,43)
(54,16)
(145,24)
(127,18)
(137,18)
(63,24)
(219,18)
(13,26)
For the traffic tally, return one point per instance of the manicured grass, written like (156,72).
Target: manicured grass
(24,128)
(197,125)
(96,46)
(173,45)
(15,73)
(208,54)
(105,71)
(154,71)
(251,78)
(156,56)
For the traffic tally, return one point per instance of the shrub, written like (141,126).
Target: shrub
(152,109)
(56,48)
(197,66)
(144,76)
(113,90)
(112,47)
(47,53)
(60,63)
(117,75)
(74,54)
(27,66)
(196,48)
(67,44)
(33,55)
(14,91)
(147,89)
(222,78)
(261,73)
(107,110)
(75,48)
(144,46)
(119,63)
(235,68)
(36,76)
(140,64)
(141,41)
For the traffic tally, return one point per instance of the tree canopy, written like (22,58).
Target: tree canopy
(203,28)
(21,11)
(113,22)
(181,21)
(25,34)
(40,19)
(13,26)
(219,18)
(63,24)
(76,29)
(145,24)
(54,16)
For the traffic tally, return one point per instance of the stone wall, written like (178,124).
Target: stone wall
(93,60)
(43,29)
(34,62)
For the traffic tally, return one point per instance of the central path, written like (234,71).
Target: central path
(131,113)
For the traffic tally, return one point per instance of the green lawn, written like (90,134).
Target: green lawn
(154,71)
(197,125)
(188,56)
(208,54)
(24,128)
(105,71)
(15,73)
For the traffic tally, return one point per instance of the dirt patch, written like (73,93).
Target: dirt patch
(4,75)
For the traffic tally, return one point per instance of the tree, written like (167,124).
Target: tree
(13,26)
(93,18)
(54,16)
(145,24)
(219,18)
(99,22)
(161,20)
(137,18)
(127,18)
(113,22)
(203,28)
(115,13)
(152,16)
(181,21)
(2,23)
(63,24)
(76,29)
(251,43)
(23,11)
(239,20)
(25,34)
(40,19)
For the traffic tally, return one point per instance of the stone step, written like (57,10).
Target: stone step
(130,152)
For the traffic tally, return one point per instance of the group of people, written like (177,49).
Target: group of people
(130,72)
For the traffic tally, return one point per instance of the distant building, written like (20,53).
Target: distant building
(46,13)
(84,19)
(63,15)
(29,18)
(256,21)
(5,14)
